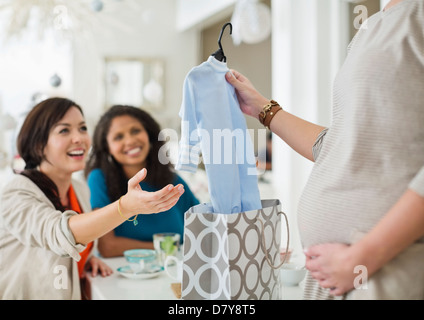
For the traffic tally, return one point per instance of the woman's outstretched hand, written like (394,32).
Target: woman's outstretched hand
(138,201)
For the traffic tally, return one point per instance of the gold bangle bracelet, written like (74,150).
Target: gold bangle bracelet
(120,213)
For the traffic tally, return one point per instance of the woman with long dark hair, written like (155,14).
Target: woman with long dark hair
(46,241)
(125,141)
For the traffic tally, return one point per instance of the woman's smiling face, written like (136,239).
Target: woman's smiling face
(67,145)
(128,143)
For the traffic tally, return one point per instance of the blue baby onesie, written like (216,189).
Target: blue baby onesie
(213,124)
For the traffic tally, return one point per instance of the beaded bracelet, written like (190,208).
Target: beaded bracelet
(120,213)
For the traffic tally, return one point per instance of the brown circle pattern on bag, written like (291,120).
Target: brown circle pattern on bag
(224,256)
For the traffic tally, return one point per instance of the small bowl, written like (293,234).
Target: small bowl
(140,259)
(291,274)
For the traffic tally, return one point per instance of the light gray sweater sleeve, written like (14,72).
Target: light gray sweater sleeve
(316,148)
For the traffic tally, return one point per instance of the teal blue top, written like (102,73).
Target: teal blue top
(148,224)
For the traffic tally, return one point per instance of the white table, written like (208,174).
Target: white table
(117,287)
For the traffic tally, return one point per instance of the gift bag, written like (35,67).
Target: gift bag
(232,256)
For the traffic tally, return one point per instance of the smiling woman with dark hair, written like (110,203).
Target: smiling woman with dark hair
(125,141)
(46,240)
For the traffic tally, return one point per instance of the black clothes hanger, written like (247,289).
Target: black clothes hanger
(219,54)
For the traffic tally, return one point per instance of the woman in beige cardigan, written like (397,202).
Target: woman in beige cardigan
(41,236)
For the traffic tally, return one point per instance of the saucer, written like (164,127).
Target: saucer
(152,272)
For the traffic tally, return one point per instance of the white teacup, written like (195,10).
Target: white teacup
(178,275)
(140,259)
(137,267)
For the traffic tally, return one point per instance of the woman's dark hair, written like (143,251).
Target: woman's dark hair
(33,138)
(158,174)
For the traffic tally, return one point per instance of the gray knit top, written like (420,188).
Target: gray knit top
(374,149)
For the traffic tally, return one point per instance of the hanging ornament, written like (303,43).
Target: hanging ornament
(55,81)
(251,22)
(97,5)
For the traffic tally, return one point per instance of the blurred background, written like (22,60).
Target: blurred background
(101,52)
